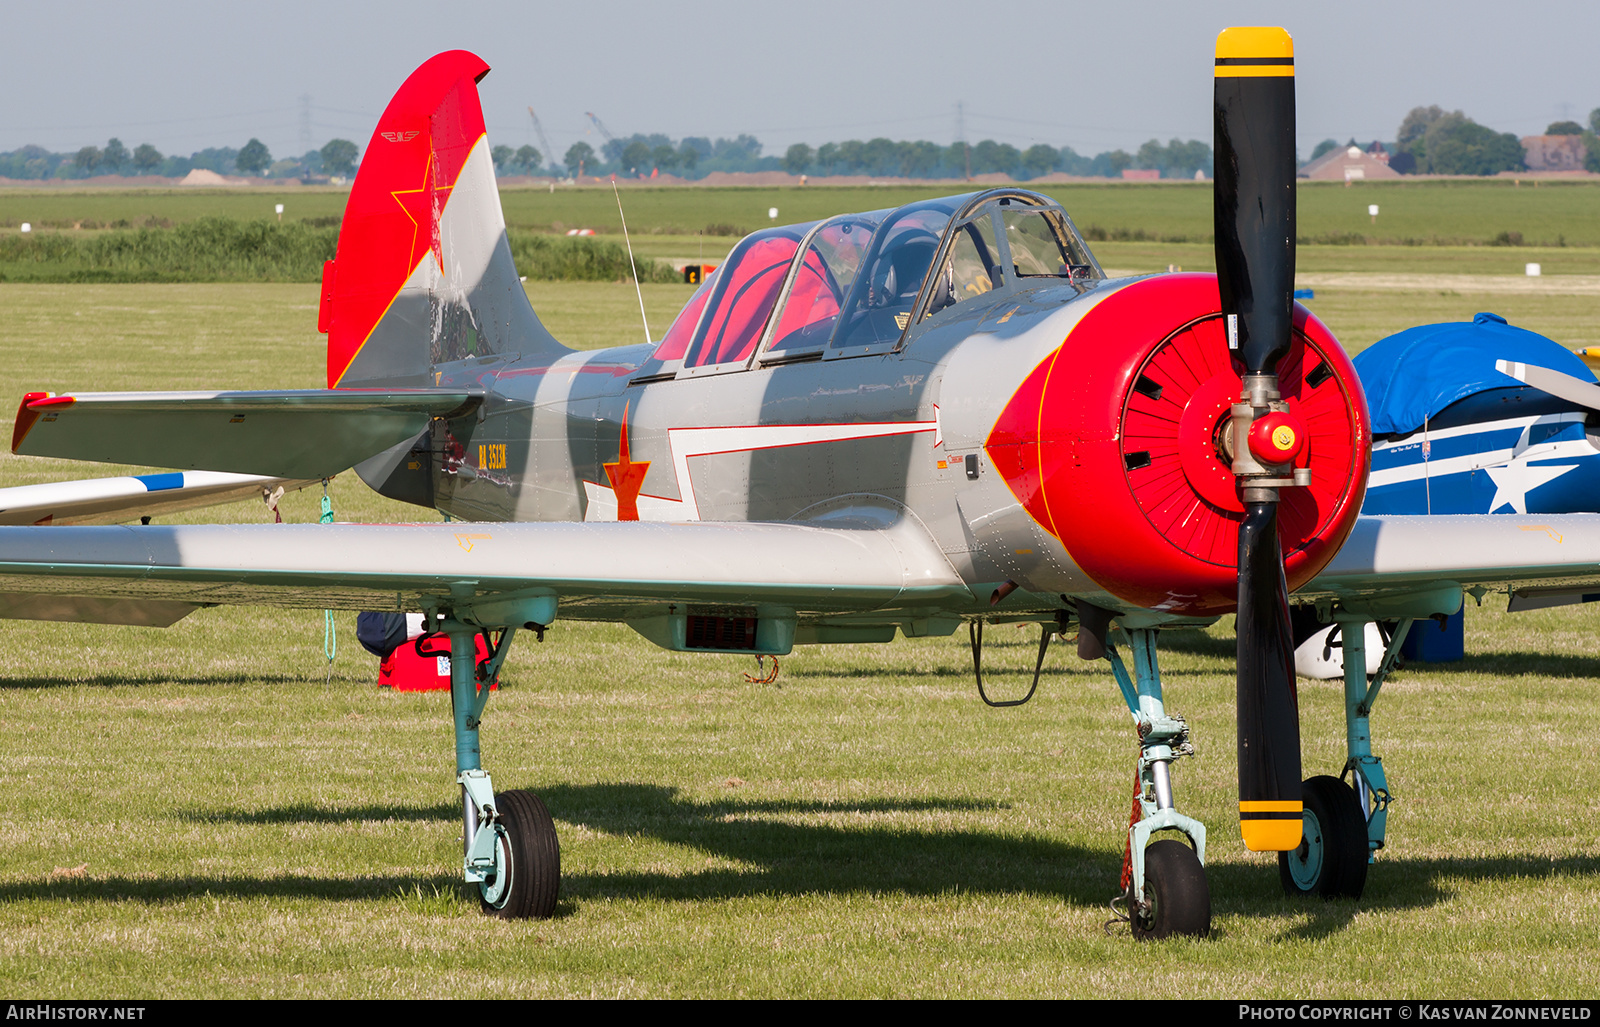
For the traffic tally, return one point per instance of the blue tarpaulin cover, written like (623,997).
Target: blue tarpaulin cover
(1414,374)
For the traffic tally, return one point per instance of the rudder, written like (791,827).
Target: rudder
(423,274)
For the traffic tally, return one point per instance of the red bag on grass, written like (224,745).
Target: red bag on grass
(423,665)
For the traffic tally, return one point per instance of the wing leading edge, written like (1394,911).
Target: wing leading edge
(1395,555)
(594,571)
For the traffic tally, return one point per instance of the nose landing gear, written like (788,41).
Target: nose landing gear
(1164,882)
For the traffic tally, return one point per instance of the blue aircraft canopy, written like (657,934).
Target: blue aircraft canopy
(1414,374)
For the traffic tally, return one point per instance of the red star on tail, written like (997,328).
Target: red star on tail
(423,206)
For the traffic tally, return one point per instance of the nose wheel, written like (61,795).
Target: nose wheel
(1176,897)
(1332,858)
(1164,882)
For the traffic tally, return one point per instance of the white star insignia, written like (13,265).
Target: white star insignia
(1513,482)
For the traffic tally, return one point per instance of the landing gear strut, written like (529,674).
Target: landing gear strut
(509,841)
(1344,824)
(1164,882)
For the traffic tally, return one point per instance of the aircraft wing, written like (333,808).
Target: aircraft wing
(598,571)
(115,500)
(1391,556)
(309,433)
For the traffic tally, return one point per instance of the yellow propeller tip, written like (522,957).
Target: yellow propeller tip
(1254,51)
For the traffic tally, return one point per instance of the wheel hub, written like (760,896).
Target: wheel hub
(1305,863)
(497,886)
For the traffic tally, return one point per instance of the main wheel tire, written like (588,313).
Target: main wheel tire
(1177,899)
(527,859)
(1332,858)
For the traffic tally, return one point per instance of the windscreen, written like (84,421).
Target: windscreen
(1042,246)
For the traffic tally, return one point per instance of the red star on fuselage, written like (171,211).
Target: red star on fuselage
(423,206)
(627,476)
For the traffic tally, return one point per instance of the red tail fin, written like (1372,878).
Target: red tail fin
(424,272)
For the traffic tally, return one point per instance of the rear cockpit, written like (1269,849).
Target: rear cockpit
(870,283)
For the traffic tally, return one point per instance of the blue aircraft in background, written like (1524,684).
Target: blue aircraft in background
(1479,417)
(1470,417)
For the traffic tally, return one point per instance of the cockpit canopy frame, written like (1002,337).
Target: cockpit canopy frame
(859,284)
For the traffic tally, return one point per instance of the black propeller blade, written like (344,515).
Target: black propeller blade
(1255,231)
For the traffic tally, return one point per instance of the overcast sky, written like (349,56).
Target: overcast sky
(1090,75)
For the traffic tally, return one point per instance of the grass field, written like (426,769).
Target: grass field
(1423,227)
(1427,212)
(208,811)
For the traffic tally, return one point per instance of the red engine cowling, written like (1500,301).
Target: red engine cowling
(1114,445)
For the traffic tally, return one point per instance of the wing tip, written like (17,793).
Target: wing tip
(29,411)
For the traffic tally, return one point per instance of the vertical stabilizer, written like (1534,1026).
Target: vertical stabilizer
(424,273)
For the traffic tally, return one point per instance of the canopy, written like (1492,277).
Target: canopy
(1414,374)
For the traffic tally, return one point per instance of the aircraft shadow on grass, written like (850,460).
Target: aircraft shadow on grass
(185,680)
(1015,657)
(1510,666)
(786,858)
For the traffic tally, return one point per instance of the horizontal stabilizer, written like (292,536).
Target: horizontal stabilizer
(310,433)
(117,500)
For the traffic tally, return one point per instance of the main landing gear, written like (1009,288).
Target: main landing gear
(1164,881)
(509,841)
(1343,824)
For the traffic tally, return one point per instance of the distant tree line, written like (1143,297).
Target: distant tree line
(338,157)
(1433,141)
(692,157)
(1430,141)
(639,155)
(922,159)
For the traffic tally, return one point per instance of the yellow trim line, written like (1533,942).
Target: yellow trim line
(1271,806)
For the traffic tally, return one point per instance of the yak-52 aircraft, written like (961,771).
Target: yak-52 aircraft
(903,420)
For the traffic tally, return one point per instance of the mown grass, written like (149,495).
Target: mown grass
(206,811)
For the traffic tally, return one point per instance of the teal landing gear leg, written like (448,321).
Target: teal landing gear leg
(1344,823)
(509,841)
(1363,768)
(1164,882)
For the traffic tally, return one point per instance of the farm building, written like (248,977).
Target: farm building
(1554,153)
(1349,164)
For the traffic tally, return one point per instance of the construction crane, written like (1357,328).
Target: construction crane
(550,155)
(601,126)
